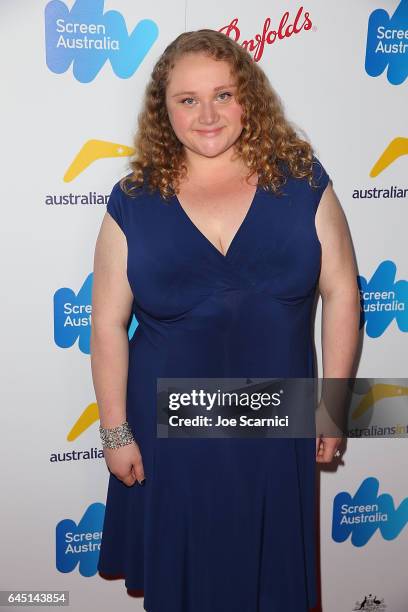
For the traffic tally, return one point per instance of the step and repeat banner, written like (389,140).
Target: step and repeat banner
(73,78)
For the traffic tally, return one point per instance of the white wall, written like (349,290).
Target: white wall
(350,118)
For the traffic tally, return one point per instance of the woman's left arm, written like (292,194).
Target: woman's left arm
(340,300)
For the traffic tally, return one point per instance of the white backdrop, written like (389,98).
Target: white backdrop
(54,476)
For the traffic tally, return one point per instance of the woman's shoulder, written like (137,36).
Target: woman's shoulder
(130,187)
(320,174)
(318,170)
(302,190)
(126,197)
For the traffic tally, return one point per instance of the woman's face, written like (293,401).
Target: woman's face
(201,104)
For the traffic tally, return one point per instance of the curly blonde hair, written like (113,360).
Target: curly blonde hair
(268,144)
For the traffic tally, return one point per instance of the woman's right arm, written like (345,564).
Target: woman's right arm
(112,300)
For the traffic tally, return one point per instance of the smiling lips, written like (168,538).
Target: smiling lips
(209,132)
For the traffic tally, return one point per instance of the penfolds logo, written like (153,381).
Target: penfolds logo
(285,29)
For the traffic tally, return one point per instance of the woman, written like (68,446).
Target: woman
(217,241)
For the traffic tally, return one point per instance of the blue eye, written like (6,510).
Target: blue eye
(226,93)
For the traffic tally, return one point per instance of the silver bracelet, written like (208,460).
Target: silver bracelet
(116,437)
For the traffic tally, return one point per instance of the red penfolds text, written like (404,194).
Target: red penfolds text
(285,29)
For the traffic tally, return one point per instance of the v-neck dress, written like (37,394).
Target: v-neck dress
(221,524)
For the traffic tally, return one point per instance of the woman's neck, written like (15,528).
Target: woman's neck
(219,170)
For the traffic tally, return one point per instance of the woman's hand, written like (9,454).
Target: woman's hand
(125,463)
(326,448)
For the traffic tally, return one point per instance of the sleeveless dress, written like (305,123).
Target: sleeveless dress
(227,524)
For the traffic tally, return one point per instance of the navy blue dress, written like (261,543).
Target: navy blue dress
(221,524)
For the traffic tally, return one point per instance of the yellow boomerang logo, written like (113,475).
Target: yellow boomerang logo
(89,416)
(396,148)
(93,150)
(375,394)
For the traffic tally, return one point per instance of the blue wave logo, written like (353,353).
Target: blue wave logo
(382,300)
(88,37)
(80,544)
(72,317)
(366,512)
(387,44)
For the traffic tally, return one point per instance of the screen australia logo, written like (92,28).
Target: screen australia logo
(387,44)
(383,299)
(72,316)
(88,37)
(79,544)
(360,516)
